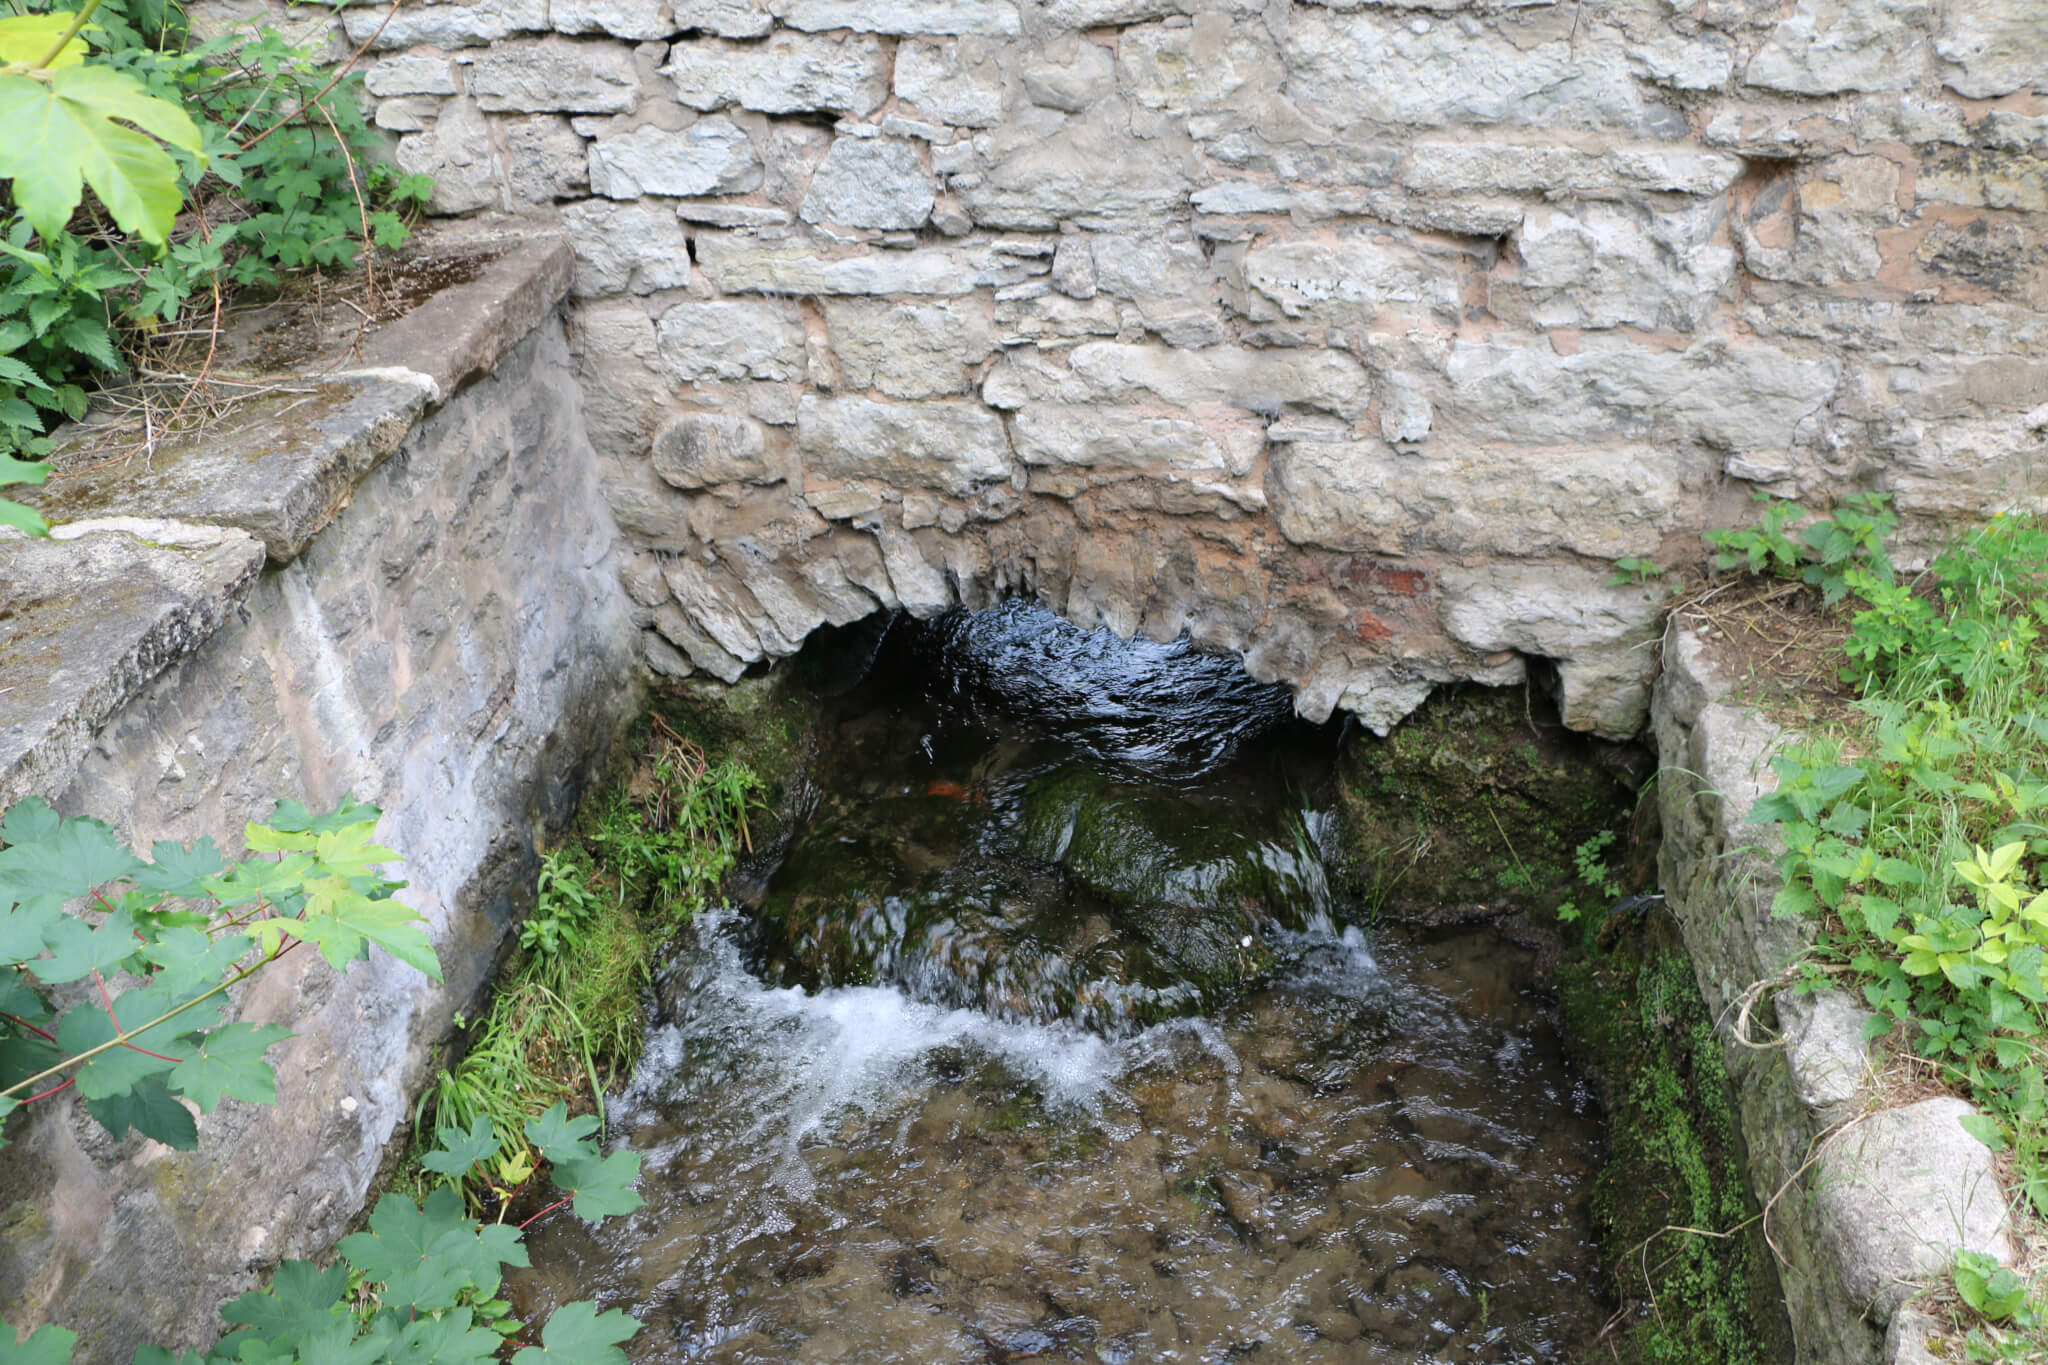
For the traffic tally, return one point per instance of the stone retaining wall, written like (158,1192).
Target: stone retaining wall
(1869,1201)
(372,583)
(1357,337)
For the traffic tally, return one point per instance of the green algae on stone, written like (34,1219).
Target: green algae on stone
(1474,805)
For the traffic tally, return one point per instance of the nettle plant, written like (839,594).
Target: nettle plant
(118,987)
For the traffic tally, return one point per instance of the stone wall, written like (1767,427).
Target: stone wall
(1867,1200)
(1358,337)
(372,584)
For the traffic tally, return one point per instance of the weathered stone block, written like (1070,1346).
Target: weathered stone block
(411,75)
(1829,46)
(1197,69)
(1068,73)
(1127,438)
(870,182)
(997,18)
(626,248)
(450,26)
(739,263)
(732,340)
(1382,68)
(699,449)
(1602,637)
(1455,167)
(1734,398)
(1990,48)
(543,159)
(721,18)
(555,75)
(1703,61)
(791,73)
(1598,264)
(456,151)
(949,446)
(958,82)
(906,350)
(1365,496)
(1349,281)
(1821,226)
(635,20)
(711,156)
(1082,173)
(1257,381)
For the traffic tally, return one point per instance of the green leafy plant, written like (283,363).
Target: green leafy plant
(1635,571)
(1838,552)
(1589,860)
(1988,1287)
(1764,548)
(185,927)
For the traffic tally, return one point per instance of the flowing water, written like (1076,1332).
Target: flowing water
(1047,1040)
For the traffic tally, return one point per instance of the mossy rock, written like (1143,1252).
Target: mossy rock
(766,723)
(1475,805)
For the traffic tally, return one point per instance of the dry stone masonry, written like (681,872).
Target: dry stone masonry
(1356,337)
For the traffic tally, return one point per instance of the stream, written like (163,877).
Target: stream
(1047,1038)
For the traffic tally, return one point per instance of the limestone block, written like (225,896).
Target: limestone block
(547,75)
(718,606)
(407,113)
(626,248)
(731,339)
(1454,167)
(1821,227)
(1598,264)
(711,156)
(996,18)
(790,73)
(1602,637)
(449,26)
(1348,281)
(1904,1190)
(946,445)
(1730,398)
(842,600)
(1069,73)
(618,367)
(918,584)
(635,20)
(456,151)
(1405,414)
(1167,278)
(1081,172)
(411,75)
(1383,68)
(1990,48)
(700,649)
(1829,46)
(740,263)
(907,350)
(1104,13)
(952,82)
(699,449)
(1108,437)
(1073,267)
(1704,61)
(1825,1046)
(870,182)
(721,18)
(723,213)
(1985,179)
(1199,69)
(1365,496)
(791,613)
(1257,381)
(1052,319)
(542,159)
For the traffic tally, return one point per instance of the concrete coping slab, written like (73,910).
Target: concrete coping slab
(151,551)
(92,614)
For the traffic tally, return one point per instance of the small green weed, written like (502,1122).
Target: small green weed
(1589,859)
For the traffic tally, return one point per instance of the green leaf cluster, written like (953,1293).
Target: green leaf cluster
(418,1286)
(114,969)
(1839,552)
(215,166)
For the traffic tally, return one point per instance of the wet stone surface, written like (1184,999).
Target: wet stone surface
(1047,1040)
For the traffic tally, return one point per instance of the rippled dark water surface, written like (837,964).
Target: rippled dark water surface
(1048,1041)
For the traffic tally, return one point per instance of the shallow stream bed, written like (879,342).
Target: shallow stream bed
(1045,1038)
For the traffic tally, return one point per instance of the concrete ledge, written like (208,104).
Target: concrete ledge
(92,615)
